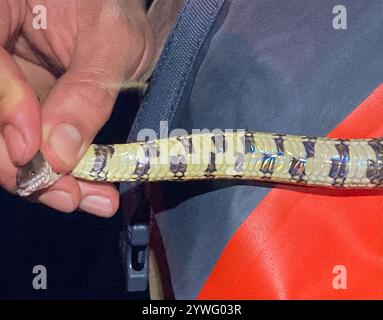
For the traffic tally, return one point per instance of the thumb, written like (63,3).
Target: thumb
(79,105)
(74,111)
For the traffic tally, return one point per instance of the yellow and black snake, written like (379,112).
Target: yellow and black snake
(345,163)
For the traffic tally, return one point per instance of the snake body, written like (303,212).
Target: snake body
(346,163)
(239,155)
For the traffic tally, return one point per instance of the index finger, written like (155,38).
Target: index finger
(20,121)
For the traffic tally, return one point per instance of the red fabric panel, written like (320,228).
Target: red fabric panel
(289,244)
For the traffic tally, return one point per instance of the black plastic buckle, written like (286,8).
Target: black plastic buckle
(134,244)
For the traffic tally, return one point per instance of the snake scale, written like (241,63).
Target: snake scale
(344,163)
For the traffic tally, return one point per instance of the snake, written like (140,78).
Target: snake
(236,155)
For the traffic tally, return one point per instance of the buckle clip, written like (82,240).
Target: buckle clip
(134,243)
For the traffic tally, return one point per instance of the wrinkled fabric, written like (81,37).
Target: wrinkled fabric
(279,66)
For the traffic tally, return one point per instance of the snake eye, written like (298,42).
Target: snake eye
(32,173)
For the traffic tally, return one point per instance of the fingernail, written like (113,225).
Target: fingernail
(66,141)
(98,205)
(58,199)
(15,143)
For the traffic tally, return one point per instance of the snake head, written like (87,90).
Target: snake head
(36,175)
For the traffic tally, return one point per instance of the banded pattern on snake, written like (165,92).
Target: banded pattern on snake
(346,163)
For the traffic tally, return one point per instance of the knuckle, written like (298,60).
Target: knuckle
(95,98)
(138,48)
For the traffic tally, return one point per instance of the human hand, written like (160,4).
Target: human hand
(75,65)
